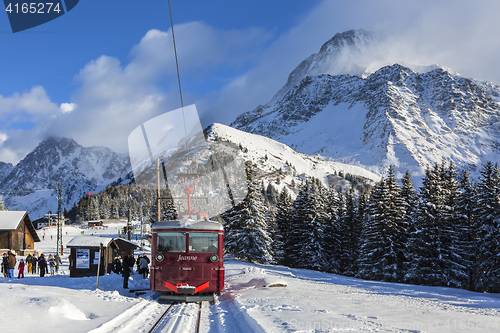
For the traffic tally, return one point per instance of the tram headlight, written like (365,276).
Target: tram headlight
(214,258)
(159,257)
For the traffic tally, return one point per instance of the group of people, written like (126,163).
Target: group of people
(125,266)
(33,265)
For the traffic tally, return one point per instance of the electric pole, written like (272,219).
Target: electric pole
(58,191)
(158,196)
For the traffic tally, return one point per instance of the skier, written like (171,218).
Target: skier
(21,269)
(42,265)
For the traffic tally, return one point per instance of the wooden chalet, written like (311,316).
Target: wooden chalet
(17,232)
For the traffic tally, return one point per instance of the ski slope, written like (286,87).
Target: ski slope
(258,298)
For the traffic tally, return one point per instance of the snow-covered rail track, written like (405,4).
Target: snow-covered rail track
(179,317)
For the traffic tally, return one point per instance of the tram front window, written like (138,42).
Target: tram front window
(203,242)
(171,242)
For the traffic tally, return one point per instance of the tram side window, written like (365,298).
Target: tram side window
(171,242)
(203,242)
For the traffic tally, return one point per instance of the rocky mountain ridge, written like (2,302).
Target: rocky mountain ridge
(30,183)
(394,116)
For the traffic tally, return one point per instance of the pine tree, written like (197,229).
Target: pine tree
(248,232)
(382,248)
(335,208)
(305,241)
(456,271)
(283,215)
(465,222)
(486,275)
(349,228)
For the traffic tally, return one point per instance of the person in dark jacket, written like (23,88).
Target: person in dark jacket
(5,265)
(42,265)
(34,261)
(117,265)
(29,265)
(128,264)
(12,263)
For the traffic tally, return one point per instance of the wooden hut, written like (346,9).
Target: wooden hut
(17,232)
(124,247)
(84,255)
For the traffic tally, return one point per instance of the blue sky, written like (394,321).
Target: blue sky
(105,67)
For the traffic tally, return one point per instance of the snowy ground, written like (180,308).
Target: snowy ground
(258,299)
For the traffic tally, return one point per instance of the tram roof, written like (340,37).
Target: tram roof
(188,224)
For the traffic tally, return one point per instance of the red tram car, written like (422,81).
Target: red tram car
(187,260)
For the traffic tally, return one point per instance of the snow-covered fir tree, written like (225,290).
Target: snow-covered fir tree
(456,272)
(382,248)
(305,240)
(282,220)
(349,230)
(465,224)
(486,274)
(247,230)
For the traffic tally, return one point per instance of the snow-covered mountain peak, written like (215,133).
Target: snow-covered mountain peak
(395,116)
(80,169)
(350,52)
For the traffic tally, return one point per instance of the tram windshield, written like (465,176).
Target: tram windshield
(204,242)
(171,242)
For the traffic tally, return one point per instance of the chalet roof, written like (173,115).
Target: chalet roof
(131,243)
(10,220)
(89,241)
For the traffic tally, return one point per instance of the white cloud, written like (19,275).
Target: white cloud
(67,107)
(32,104)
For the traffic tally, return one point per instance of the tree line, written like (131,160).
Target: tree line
(445,233)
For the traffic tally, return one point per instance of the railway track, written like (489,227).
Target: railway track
(179,317)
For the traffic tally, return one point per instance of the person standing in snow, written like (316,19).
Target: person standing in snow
(34,261)
(5,265)
(52,264)
(12,263)
(21,269)
(128,263)
(143,267)
(58,262)
(117,265)
(42,265)
(29,264)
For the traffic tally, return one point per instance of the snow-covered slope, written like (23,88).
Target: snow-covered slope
(258,298)
(5,169)
(275,159)
(394,116)
(29,186)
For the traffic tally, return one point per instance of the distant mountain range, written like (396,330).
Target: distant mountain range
(337,113)
(29,185)
(394,116)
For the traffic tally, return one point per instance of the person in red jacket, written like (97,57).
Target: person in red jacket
(21,269)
